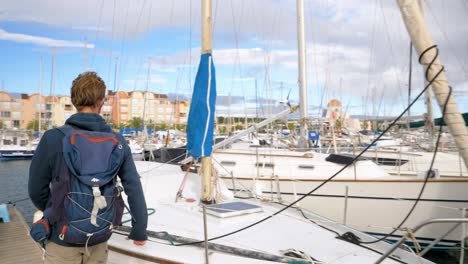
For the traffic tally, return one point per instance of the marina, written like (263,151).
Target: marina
(287,186)
(14,175)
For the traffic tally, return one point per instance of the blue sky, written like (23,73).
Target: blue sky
(357,55)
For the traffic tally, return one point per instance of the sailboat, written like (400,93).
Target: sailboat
(357,192)
(15,144)
(194,218)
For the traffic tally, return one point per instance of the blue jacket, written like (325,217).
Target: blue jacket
(46,164)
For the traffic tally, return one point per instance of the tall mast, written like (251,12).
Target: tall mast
(52,91)
(422,40)
(429,124)
(410,74)
(207,47)
(115,111)
(40,96)
(302,143)
(207,34)
(145,95)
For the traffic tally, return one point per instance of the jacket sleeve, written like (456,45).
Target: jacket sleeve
(40,175)
(136,199)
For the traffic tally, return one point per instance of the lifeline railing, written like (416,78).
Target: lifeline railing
(457,221)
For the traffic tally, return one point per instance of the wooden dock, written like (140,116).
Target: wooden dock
(16,246)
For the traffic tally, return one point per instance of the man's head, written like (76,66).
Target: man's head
(88,91)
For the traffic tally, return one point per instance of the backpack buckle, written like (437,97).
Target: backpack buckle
(99,203)
(62,234)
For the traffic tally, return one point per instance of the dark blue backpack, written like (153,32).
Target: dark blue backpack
(85,200)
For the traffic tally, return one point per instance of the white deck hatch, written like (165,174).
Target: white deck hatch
(232,209)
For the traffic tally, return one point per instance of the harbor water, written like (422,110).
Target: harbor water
(14,190)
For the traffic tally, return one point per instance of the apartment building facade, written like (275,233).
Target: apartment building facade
(18,110)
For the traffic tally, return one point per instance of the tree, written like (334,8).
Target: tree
(34,125)
(365,125)
(1,124)
(223,130)
(338,124)
(181,127)
(134,122)
(239,127)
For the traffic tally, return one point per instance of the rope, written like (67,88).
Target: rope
(411,236)
(14,202)
(437,142)
(352,161)
(150,211)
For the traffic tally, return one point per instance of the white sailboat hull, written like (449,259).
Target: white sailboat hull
(376,201)
(288,230)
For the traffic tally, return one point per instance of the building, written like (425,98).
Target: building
(11,110)
(18,110)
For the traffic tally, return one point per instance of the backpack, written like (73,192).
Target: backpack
(85,201)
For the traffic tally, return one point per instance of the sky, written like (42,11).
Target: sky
(357,50)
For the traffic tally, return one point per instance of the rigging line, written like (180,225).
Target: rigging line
(215,16)
(237,58)
(142,59)
(190,45)
(122,45)
(392,53)
(139,16)
(451,48)
(371,56)
(340,170)
(327,60)
(185,66)
(314,56)
(178,74)
(97,32)
(436,147)
(267,84)
(111,42)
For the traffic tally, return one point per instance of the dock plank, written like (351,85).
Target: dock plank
(16,246)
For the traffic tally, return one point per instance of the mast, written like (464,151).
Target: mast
(40,97)
(410,74)
(207,47)
(302,142)
(52,92)
(145,95)
(429,124)
(422,40)
(256,101)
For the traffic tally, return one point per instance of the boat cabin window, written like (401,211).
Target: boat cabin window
(266,165)
(302,166)
(228,163)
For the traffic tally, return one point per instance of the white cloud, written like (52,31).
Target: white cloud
(42,41)
(353,47)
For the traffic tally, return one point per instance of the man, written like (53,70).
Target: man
(87,95)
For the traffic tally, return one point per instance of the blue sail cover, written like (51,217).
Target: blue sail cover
(202,109)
